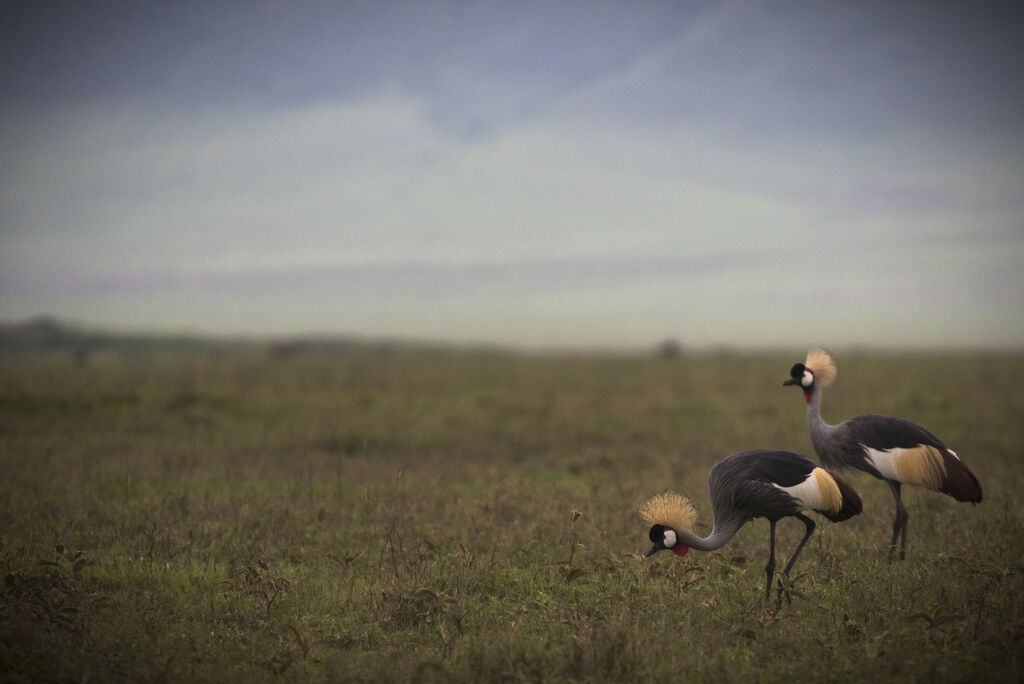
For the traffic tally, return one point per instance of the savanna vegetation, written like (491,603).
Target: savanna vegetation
(416,515)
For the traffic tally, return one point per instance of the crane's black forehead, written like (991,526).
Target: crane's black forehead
(656,533)
(797,370)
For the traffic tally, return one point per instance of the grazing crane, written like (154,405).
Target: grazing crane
(892,449)
(748,485)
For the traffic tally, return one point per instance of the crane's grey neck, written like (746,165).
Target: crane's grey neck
(722,533)
(814,409)
(819,430)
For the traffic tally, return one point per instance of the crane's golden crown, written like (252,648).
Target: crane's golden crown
(821,363)
(671,510)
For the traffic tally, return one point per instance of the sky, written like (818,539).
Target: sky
(576,174)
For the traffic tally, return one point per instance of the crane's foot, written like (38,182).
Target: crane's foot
(892,554)
(783,591)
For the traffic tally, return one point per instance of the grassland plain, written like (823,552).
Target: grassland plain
(423,516)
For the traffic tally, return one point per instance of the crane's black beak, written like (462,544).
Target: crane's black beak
(654,549)
(791,381)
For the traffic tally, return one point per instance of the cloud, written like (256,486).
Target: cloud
(362,180)
(736,169)
(370,206)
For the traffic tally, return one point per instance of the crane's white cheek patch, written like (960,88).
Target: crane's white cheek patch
(807,379)
(669,540)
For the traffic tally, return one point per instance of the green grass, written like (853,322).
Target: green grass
(410,517)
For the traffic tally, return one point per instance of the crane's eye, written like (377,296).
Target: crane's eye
(668,539)
(807,379)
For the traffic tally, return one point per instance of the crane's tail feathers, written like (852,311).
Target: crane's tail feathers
(671,510)
(849,505)
(938,469)
(960,481)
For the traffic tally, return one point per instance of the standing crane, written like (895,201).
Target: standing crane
(748,485)
(892,449)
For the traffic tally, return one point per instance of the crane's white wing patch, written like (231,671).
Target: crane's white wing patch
(818,492)
(884,461)
(920,465)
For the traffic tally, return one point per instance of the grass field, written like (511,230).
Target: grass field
(425,516)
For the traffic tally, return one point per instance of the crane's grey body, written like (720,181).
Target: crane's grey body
(889,448)
(839,446)
(746,485)
(846,445)
(771,485)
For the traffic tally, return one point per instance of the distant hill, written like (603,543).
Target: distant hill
(46,335)
(42,331)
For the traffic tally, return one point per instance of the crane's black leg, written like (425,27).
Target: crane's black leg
(769,569)
(809,525)
(899,525)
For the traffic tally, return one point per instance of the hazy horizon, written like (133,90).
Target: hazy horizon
(579,175)
(76,333)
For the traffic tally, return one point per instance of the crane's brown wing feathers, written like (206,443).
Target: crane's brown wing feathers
(926,460)
(850,504)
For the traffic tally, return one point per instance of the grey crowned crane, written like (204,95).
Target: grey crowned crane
(892,449)
(748,485)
